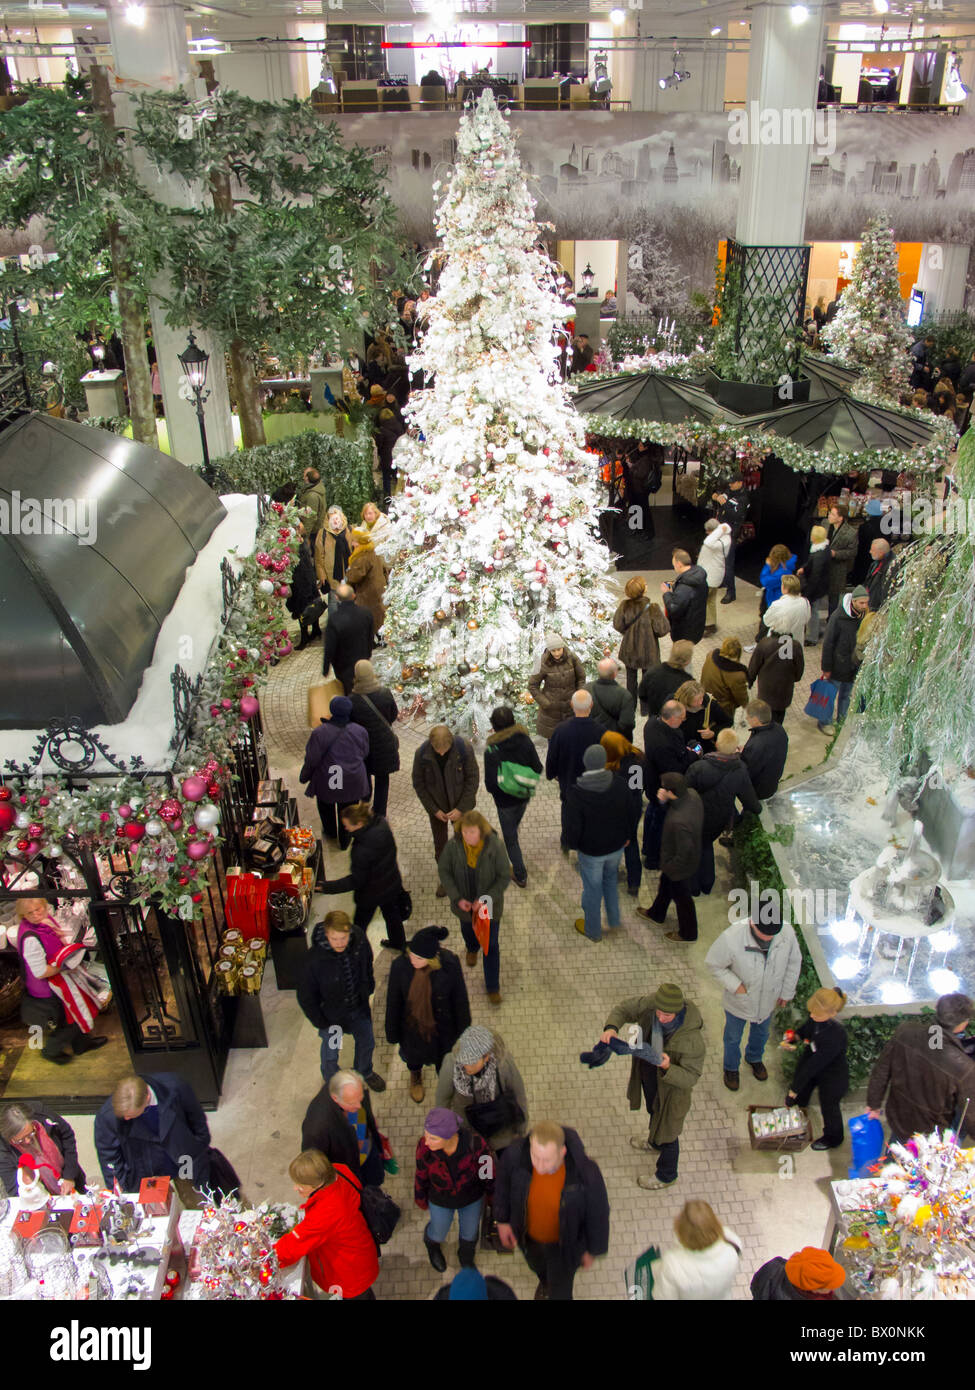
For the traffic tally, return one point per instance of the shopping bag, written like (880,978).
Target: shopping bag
(320,696)
(822,698)
(482,925)
(639,1275)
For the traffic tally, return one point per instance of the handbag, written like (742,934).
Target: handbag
(822,697)
(490,1116)
(313,611)
(515,779)
(404,904)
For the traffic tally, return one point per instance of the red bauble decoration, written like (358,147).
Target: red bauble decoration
(242,652)
(170,809)
(284,533)
(563,521)
(183,881)
(35,831)
(194,788)
(7,817)
(214,791)
(23,845)
(214,711)
(197,897)
(104,818)
(43,801)
(249,706)
(5,794)
(33,848)
(226,704)
(277,507)
(133,831)
(247,681)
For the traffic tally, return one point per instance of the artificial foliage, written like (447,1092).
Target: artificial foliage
(494,538)
(169,825)
(869,330)
(751,340)
(918,675)
(345,465)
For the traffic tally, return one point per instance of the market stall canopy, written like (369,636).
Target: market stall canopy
(826,376)
(649,396)
(843,425)
(98,533)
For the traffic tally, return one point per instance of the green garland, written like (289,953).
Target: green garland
(345,465)
(754,862)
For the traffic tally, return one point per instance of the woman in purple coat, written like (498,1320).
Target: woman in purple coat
(335,767)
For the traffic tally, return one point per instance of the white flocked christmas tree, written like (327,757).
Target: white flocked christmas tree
(494,540)
(870,330)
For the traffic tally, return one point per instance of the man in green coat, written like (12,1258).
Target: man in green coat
(311,494)
(670,1027)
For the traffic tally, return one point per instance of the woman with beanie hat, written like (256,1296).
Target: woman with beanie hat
(335,767)
(641,623)
(553,685)
(374,708)
(627,761)
(481,1084)
(427,1007)
(474,867)
(810,1275)
(823,1064)
(454,1173)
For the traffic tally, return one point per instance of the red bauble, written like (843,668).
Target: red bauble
(197,897)
(278,507)
(242,652)
(43,801)
(104,817)
(7,817)
(5,793)
(183,881)
(22,845)
(170,809)
(214,791)
(35,831)
(133,831)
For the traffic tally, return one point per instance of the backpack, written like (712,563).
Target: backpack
(379,1210)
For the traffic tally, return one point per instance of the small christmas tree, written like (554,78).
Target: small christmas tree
(494,538)
(654,278)
(869,330)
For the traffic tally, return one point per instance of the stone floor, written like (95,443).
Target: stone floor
(557,990)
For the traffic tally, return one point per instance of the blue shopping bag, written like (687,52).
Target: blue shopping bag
(822,699)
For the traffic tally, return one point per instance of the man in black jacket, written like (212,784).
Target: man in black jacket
(665,751)
(509,743)
(766,749)
(720,779)
(374,875)
(877,581)
(597,825)
(840,664)
(340,1124)
(334,991)
(661,682)
(613,707)
(566,748)
(680,854)
(686,599)
(348,637)
(560,1221)
(153,1127)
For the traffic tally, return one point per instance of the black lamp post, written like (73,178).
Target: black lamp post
(195,362)
(587,278)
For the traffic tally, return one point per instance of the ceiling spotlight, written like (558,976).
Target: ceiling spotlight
(617,16)
(135,14)
(716,30)
(601,84)
(799,14)
(676,77)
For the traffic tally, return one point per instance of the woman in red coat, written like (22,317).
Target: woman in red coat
(341,1252)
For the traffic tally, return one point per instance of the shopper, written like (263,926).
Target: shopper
(334,990)
(551,1200)
(474,870)
(823,1064)
(339,1122)
(725,678)
(779,562)
(791,613)
(481,1084)
(842,539)
(924,1078)
(704,718)
(333,546)
(310,500)
(877,582)
(367,573)
(713,560)
(765,750)
(374,875)
(840,663)
(703,1265)
(455,1172)
(566,748)
(721,780)
(552,686)
(598,815)
(814,576)
(731,506)
(810,1275)
(55,994)
(427,1007)
(332,1234)
(626,761)
(660,682)
(509,755)
(682,828)
(349,637)
(666,750)
(335,767)
(758,965)
(151,1128)
(685,599)
(445,778)
(374,709)
(46,1137)
(303,602)
(471,1286)
(673,1028)
(377,523)
(641,625)
(613,707)
(776,664)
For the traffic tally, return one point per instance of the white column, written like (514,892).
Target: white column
(783,75)
(942,276)
(154,56)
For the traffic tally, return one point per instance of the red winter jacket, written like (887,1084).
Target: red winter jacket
(334,1235)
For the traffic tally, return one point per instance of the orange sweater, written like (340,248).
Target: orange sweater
(544,1200)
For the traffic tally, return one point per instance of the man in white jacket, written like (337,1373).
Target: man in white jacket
(713,557)
(790,613)
(758,965)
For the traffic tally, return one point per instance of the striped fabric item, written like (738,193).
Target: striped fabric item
(80,1003)
(358,1123)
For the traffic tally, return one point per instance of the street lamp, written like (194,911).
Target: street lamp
(195,362)
(587,278)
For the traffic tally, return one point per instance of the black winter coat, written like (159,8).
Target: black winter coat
(613,707)
(775,666)
(451,1009)
(823,1063)
(326,1128)
(658,686)
(511,745)
(374,875)
(583,1210)
(721,781)
(62,1135)
(304,582)
(878,582)
(815,575)
(348,639)
(686,605)
(770,1285)
(764,755)
(453,788)
(598,822)
(839,644)
(378,719)
(130,1151)
(716,717)
(321,989)
(680,840)
(565,749)
(666,751)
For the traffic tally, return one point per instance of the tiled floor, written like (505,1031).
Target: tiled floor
(557,990)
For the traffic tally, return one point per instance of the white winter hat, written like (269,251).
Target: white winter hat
(553,641)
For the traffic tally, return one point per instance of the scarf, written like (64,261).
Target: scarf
(483,1085)
(341,563)
(419,1003)
(50,1160)
(662,1032)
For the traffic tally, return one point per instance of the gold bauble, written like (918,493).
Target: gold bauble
(407,673)
(440,615)
(474,666)
(472,624)
(399,690)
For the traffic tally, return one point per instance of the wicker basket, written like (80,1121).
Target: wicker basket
(779,1143)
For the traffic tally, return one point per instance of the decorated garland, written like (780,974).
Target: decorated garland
(170,832)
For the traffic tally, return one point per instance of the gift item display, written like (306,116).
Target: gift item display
(909,1231)
(780,1127)
(231,1253)
(240,965)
